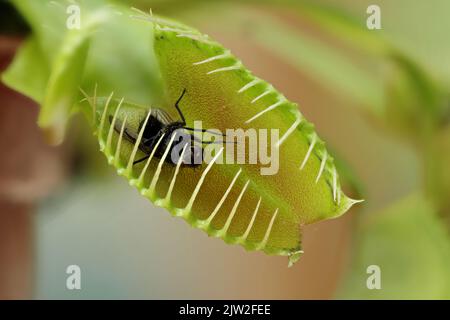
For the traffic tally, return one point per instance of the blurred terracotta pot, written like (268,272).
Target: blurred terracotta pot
(29,170)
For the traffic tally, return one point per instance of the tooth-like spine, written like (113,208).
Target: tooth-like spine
(112,126)
(249,85)
(151,189)
(166,200)
(269,108)
(289,131)
(136,146)
(102,122)
(322,166)
(263,243)
(140,181)
(119,143)
(187,210)
(234,209)
(208,221)
(308,154)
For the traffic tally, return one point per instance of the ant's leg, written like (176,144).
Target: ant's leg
(205,130)
(218,142)
(129,136)
(118,130)
(117,126)
(140,160)
(211,142)
(178,108)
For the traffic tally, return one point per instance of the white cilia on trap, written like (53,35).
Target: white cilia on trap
(231,201)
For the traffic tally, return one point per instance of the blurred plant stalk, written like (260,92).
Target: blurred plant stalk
(436,159)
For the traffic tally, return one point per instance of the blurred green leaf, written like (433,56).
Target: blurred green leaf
(63,84)
(410,245)
(322,62)
(415,104)
(345,27)
(55,62)
(47,22)
(29,60)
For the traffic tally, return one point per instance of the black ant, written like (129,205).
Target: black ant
(161,123)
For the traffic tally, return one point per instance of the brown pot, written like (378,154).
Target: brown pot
(29,170)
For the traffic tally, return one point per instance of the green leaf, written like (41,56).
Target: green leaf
(321,62)
(28,73)
(47,21)
(412,248)
(55,62)
(348,28)
(61,92)
(415,103)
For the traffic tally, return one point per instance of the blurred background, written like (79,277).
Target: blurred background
(380,98)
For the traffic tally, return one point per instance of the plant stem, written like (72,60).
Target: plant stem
(436,157)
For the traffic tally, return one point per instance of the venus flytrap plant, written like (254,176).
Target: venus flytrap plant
(234,202)
(231,201)
(66,74)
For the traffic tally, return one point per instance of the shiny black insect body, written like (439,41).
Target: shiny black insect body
(160,123)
